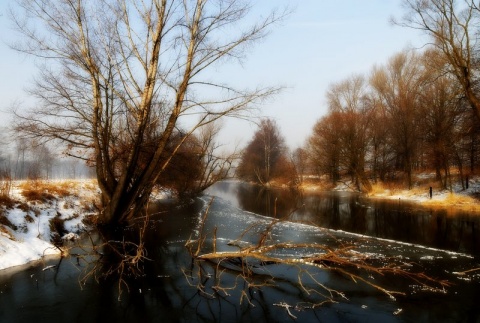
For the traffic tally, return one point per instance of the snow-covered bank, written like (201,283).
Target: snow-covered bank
(34,214)
(457,198)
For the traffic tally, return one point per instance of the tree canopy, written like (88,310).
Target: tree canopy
(120,75)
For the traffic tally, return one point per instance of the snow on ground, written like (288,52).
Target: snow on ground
(26,226)
(26,233)
(454,197)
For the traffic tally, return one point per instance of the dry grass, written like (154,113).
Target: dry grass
(5,186)
(315,184)
(44,191)
(456,202)
(7,201)
(5,190)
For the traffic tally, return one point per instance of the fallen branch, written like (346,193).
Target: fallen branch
(343,259)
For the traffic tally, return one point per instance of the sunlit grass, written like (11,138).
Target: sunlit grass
(456,201)
(38,190)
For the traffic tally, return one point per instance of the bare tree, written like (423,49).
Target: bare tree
(398,84)
(216,164)
(453,28)
(324,146)
(299,159)
(122,74)
(442,110)
(265,153)
(381,150)
(349,99)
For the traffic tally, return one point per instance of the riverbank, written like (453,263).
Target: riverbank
(36,216)
(455,199)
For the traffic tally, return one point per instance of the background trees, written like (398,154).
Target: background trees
(398,86)
(265,157)
(120,77)
(324,147)
(453,28)
(348,100)
(411,116)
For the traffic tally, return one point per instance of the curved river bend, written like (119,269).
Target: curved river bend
(441,244)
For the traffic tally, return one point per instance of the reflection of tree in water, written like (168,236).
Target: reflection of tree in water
(378,218)
(174,285)
(267,201)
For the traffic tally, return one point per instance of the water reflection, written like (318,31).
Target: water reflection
(396,220)
(168,289)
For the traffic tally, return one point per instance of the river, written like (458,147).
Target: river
(175,288)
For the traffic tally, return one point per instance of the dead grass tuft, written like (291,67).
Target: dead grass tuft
(456,201)
(5,186)
(46,191)
(28,218)
(7,201)
(7,233)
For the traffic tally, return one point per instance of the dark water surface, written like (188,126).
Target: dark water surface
(388,219)
(438,243)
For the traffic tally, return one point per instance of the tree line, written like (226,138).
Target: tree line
(419,111)
(405,116)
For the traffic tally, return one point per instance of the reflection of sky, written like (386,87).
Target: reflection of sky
(233,223)
(320,43)
(349,212)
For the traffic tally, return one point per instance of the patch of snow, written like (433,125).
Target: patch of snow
(70,236)
(32,238)
(23,249)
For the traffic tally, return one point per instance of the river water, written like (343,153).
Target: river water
(175,288)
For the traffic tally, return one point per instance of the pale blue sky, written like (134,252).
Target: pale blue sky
(322,42)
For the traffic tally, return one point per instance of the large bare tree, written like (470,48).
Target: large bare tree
(349,99)
(453,28)
(120,75)
(399,85)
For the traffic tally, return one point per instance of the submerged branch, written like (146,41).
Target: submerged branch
(251,261)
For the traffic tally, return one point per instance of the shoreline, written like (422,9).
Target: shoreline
(456,200)
(27,221)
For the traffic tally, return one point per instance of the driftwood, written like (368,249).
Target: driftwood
(343,260)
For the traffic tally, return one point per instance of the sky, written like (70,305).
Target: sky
(320,43)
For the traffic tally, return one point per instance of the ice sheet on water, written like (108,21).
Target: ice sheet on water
(235,224)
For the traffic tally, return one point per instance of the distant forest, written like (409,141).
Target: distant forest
(406,116)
